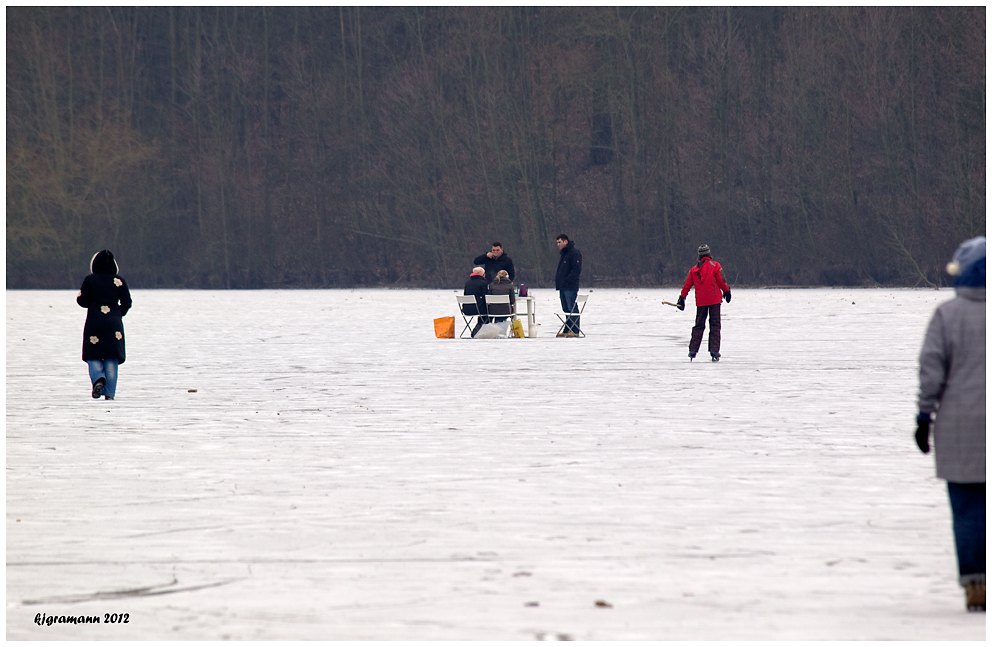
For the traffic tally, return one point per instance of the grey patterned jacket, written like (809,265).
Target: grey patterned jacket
(952,384)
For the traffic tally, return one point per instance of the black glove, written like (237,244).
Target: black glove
(923,432)
(681,304)
(726,295)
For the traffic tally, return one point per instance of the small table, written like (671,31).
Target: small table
(531,322)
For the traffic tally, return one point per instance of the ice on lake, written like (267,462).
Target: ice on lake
(317,465)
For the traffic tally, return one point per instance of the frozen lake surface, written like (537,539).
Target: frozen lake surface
(341,474)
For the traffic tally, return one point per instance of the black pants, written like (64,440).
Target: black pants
(697,331)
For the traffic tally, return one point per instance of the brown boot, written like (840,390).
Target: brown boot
(975,596)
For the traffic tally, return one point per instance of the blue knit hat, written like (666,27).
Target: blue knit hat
(968,265)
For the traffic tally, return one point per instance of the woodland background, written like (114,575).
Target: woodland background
(364,146)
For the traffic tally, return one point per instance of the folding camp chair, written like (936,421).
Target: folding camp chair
(580,305)
(464,301)
(498,305)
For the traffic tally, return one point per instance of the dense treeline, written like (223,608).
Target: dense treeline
(336,146)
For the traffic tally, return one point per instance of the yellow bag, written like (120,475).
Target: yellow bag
(518,329)
(444,327)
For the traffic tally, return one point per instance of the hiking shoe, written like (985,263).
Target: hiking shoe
(98,387)
(975,596)
(108,397)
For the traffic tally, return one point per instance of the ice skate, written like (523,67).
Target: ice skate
(692,355)
(975,596)
(715,356)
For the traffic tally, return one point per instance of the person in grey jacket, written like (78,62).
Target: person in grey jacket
(502,285)
(952,386)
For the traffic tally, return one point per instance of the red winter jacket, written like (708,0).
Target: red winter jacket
(707,277)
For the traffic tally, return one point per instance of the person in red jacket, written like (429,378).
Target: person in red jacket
(706,277)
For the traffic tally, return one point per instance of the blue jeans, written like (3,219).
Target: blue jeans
(968,508)
(107,369)
(568,305)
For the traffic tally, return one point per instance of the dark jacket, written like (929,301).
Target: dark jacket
(106,299)
(504,287)
(478,287)
(567,277)
(494,265)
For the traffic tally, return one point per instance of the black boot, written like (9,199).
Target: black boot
(98,387)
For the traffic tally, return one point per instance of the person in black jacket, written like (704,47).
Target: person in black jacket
(107,299)
(478,287)
(567,282)
(494,261)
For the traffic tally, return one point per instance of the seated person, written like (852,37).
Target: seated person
(476,286)
(502,285)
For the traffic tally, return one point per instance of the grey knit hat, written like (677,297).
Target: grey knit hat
(704,250)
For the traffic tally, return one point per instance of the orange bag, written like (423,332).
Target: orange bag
(444,327)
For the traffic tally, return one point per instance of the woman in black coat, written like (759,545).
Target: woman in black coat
(106,298)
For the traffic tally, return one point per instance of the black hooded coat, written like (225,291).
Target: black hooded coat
(107,299)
